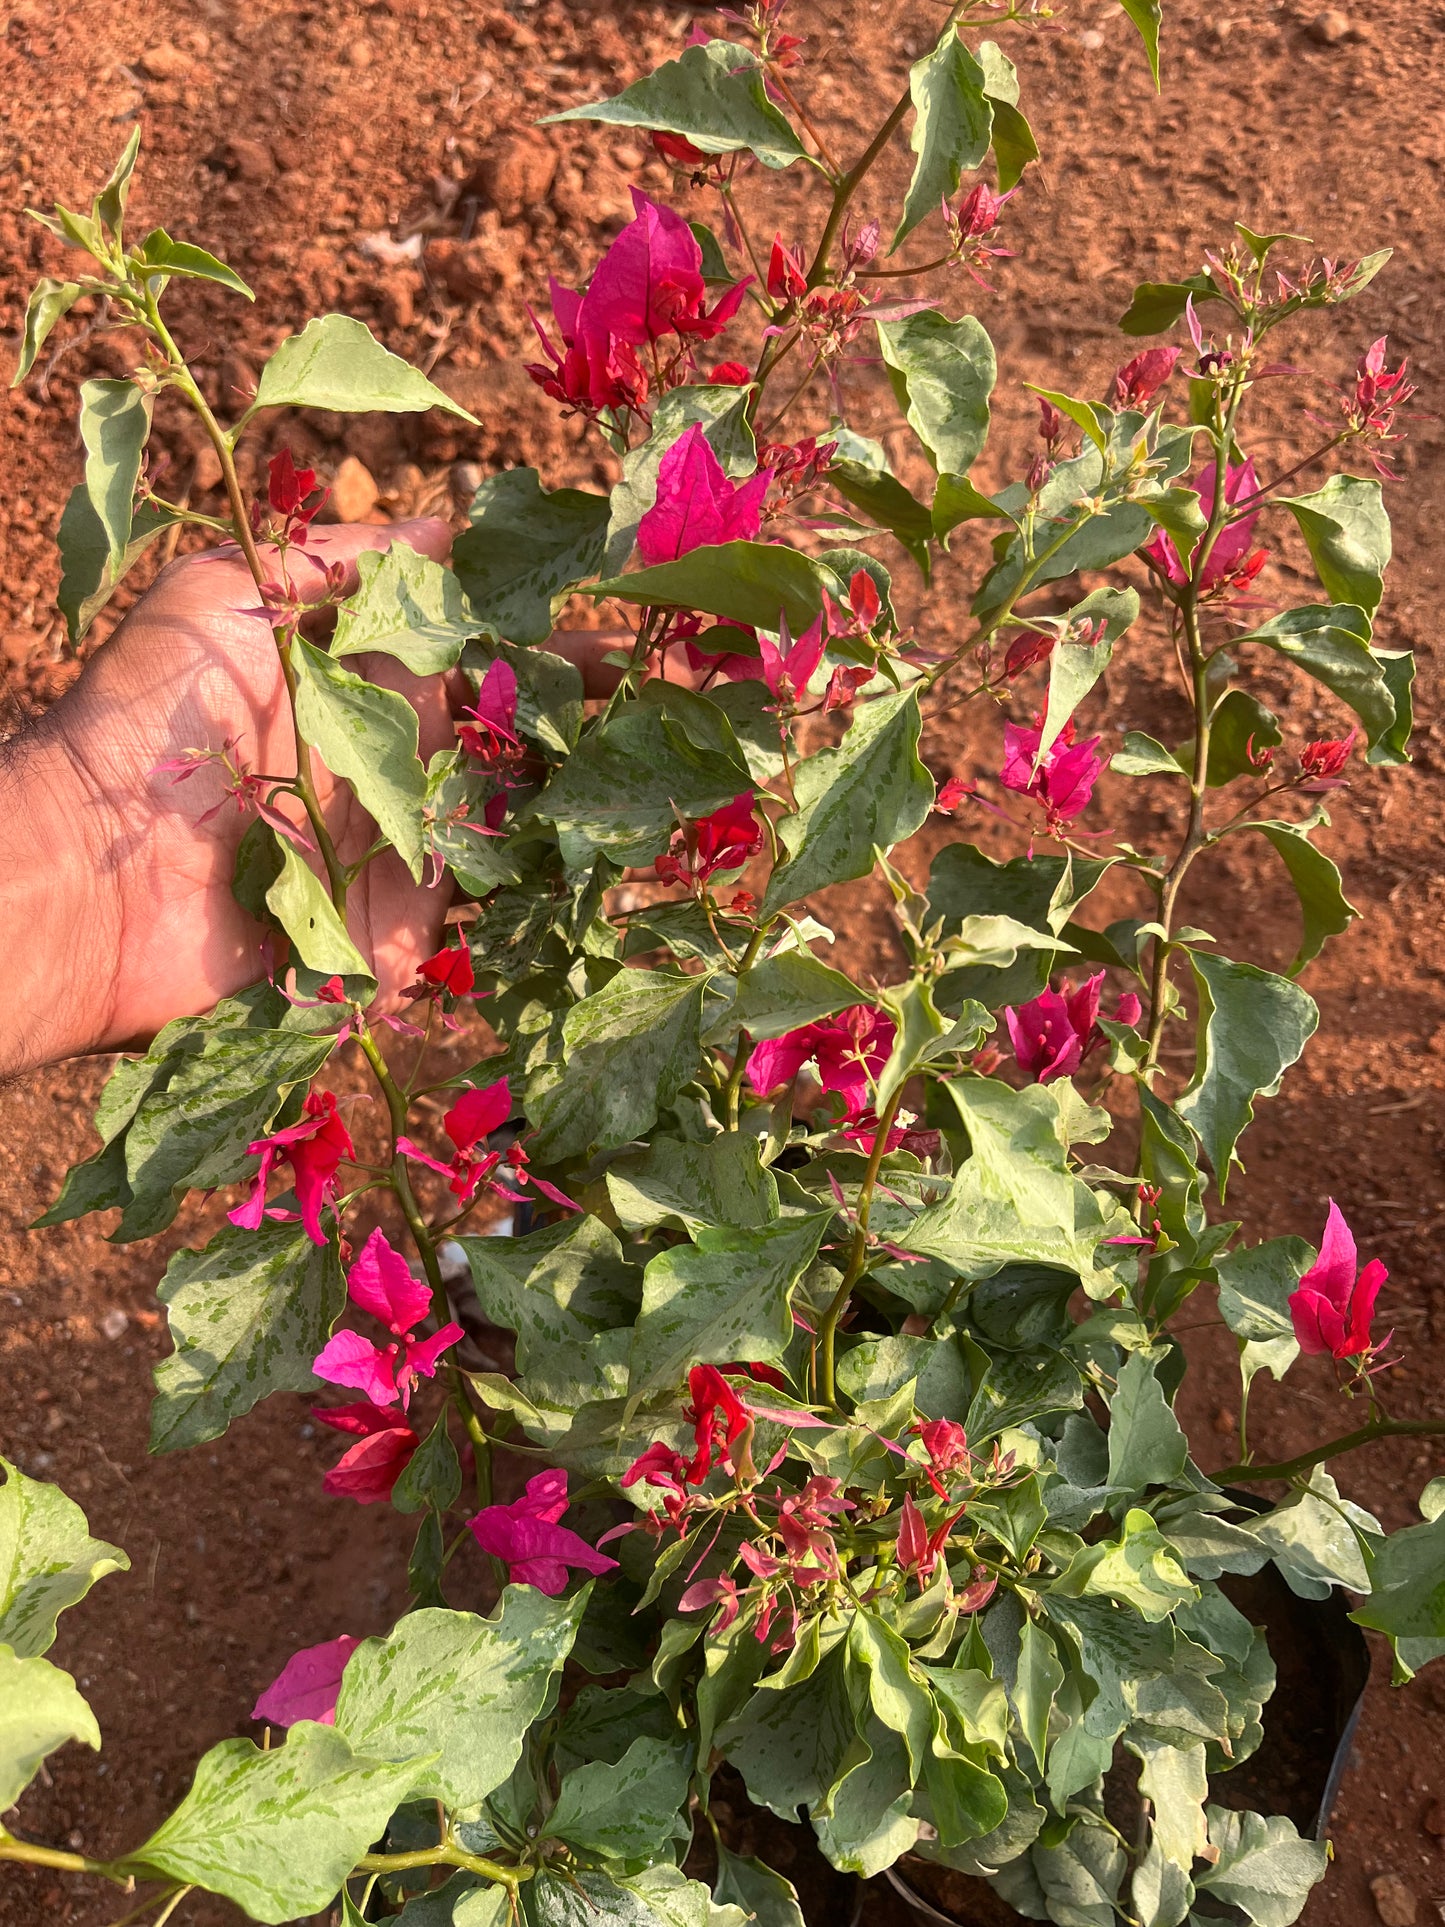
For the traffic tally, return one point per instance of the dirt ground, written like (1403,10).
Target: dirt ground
(360,157)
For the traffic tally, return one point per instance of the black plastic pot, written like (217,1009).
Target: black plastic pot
(1322,1665)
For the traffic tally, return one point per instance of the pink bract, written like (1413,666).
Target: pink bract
(696,502)
(1333,1304)
(308,1685)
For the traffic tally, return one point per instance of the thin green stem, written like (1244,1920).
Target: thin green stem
(1376,1428)
(826,1385)
(732,1088)
(221,442)
(27,1854)
(850,183)
(446,1854)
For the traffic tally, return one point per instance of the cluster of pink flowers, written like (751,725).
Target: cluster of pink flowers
(647,287)
(1054,1033)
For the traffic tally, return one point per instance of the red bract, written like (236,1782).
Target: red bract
(919,1549)
(1321,762)
(1333,1304)
(847,1051)
(380,1282)
(844,683)
(449,970)
(719,1417)
(970,223)
(525,1535)
(1053,1034)
(384,1448)
(1229,563)
(731,374)
(787,278)
(1063,783)
(678,149)
(308,1685)
(246,789)
(723,841)
(313,1148)
(708,1592)
(951,794)
(697,503)
(290,490)
(1139,381)
(469,1122)
(1030,647)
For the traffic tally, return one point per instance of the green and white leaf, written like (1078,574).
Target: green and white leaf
(1263,1868)
(712,94)
(943,373)
(869,793)
(952,126)
(115,424)
(278,1832)
(336,362)
(40,1709)
(454,1694)
(1347,529)
(626,1810)
(525,552)
(407,606)
(726,1297)
(368,736)
(48,1561)
(247,1317)
(1252,1026)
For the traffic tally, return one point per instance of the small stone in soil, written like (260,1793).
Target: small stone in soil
(1433,1820)
(1394,1902)
(1329,28)
(354,493)
(165,62)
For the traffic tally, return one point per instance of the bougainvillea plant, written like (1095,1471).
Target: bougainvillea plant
(842,1429)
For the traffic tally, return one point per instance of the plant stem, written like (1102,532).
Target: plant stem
(826,1387)
(241,528)
(1377,1428)
(848,186)
(1195,835)
(30,1855)
(444,1855)
(732,1089)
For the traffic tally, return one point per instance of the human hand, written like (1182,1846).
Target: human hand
(117,897)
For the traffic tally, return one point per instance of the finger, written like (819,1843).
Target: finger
(344,541)
(587,650)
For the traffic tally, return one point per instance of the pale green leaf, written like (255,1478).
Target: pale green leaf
(336,362)
(1147,16)
(40,1709)
(247,1317)
(48,1561)
(49,301)
(88,576)
(1332,643)
(1147,1445)
(158,254)
(1326,910)
(455,1693)
(713,94)
(952,126)
(299,903)
(746,582)
(1252,1026)
(115,423)
(368,736)
(1347,529)
(1263,1868)
(690,1185)
(278,1832)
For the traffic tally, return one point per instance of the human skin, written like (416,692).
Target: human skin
(115,900)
